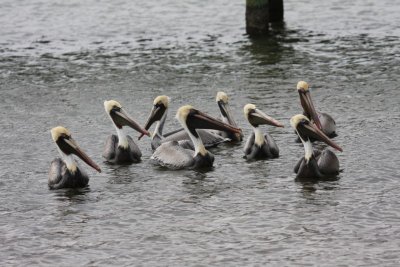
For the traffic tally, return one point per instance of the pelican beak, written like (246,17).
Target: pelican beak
(121,118)
(308,107)
(71,147)
(199,120)
(258,117)
(156,114)
(311,130)
(226,112)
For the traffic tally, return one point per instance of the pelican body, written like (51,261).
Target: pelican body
(120,148)
(159,114)
(174,156)
(260,145)
(314,164)
(323,120)
(65,172)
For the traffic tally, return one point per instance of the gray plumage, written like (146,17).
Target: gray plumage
(173,156)
(267,150)
(209,138)
(321,165)
(118,155)
(61,177)
(328,124)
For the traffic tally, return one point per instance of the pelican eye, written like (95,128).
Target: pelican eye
(115,109)
(65,136)
(304,121)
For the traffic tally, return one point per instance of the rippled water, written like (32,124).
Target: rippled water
(59,60)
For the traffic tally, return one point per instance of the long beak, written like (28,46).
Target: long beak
(200,120)
(226,112)
(156,114)
(258,117)
(308,106)
(75,149)
(121,118)
(311,130)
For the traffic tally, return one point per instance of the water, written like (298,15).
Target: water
(60,60)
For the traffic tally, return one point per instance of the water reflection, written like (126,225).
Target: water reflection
(73,195)
(270,50)
(310,188)
(119,174)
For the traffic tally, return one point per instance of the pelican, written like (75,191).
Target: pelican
(314,165)
(159,114)
(174,156)
(65,172)
(226,116)
(260,145)
(121,149)
(323,121)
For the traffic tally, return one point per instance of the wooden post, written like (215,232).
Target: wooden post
(257,17)
(275,10)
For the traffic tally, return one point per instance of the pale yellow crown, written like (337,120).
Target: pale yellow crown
(247,108)
(222,96)
(302,85)
(110,104)
(161,99)
(183,112)
(56,132)
(295,120)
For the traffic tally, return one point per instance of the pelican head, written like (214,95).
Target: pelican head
(192,119)
(222,101)
(256,117)
(67,146)
(307,103)
(222,97)
(305,129)
(160,106)
(120,118)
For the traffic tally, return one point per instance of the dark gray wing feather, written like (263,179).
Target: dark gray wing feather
(110,147)
(249,144)
(273,147)
(55,172)
(135,150)
(328,162)
(328,124)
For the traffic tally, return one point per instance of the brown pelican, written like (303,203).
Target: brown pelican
(174,156)
(226,116)
(159,114)
(314,165)
(323,121)
(65,172)
(260,145)
(121,149)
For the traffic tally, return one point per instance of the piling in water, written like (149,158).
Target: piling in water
(259,13)
(275,10)
(257,17)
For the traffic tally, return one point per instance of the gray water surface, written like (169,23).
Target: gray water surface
(59,60)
